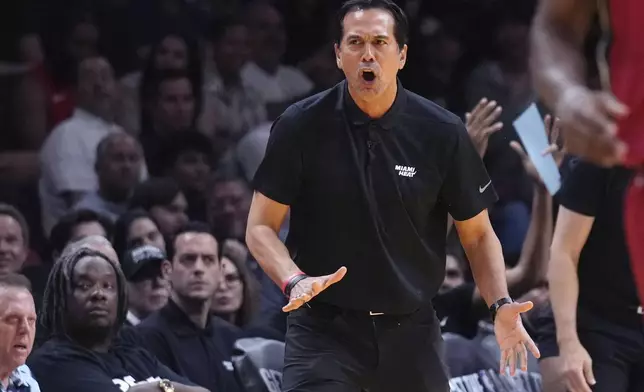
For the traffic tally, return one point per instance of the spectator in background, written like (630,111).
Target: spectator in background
(85,306)
(69,153)
(148,290)
(77,225)
(172,51)
(228,200)
(188,158)
(17,334)
(236,299)
(169,105)
(279,84)
(136,228)
(119,166)
(14,239)
(163,200)
(184,335)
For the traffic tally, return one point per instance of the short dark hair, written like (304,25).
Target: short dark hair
(181,142)
(219,27)
(13,212)
(14,280)
(190,227)
(122,227)
(101,149)
(222,177)
(60,285)
(62,231)
(150,91)
(154,192)
(401,26)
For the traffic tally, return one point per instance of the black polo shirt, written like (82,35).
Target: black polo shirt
(373,194)
(61,365)
(201,355)
(606,283)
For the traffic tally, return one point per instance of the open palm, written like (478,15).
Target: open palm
(512,337)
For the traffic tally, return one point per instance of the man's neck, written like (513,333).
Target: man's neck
(378,107)
(4,378)
(197,311)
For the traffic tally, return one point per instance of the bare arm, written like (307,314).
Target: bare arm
(264,221)
(571,233)
(483,249)
(154,387)
(557,60)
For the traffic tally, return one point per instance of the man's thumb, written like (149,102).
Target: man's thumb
(588,373)
(335,277)
(522,307)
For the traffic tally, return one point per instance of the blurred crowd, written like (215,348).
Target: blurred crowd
(142,122)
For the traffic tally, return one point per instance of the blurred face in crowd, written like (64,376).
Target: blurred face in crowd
(229,295)
(453,275)
(13,250)
(144,231)
(119,167)
(195,271)
(93,305)
(172,53)
(322,69)
(17,326)
(267,33)
(228,206)
(96,87)
(83,42)
(233,50)
(171,217)
(175,105)
(191,170)
(368,53)
(148,290)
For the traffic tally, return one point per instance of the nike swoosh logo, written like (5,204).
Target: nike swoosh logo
(483,188)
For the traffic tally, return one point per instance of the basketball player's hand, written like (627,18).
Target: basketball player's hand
(481,123)
(578,366)
(588,122)
(512,337)
(308,288)
(558,152)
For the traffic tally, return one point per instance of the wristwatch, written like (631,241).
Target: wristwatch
(497,305)
(166,386)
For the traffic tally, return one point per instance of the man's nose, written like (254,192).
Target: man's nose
(367,54)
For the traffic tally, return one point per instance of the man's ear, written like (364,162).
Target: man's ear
(166,269)
(403,57)
(338,60)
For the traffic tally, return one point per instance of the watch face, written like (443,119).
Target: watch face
(166,386)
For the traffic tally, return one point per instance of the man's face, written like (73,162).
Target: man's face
(453,275)
(148,290)
(233,50)
(120,167)
(195,269)
(228,206)
(143,231)
(171,217)
(13,250)
(191,170)
(172,54)
(175,106)
(268,34)
(17,326)
(96,86)
(368,54)
(94,298)
(83,41)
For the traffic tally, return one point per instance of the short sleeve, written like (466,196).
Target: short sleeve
(467,189)
(65,161)
(584,187)
(279,176)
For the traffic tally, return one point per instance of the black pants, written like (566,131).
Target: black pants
(616,348)
(332,350)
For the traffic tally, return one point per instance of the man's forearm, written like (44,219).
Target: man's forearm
(488,267)
(557,59)
(564,292)
(271,254)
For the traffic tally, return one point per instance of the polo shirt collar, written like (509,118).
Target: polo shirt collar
(357,118)
(181,324)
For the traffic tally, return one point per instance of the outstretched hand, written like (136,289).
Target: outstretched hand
(512,337)
(306,289)
(482,122)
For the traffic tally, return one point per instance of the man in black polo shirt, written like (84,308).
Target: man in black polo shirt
(184,335)
(597,339)
(370,172)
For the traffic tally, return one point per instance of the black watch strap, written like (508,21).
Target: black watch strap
(292,282)
(497,305)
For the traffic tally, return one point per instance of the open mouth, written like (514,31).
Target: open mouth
(368,76)
(20,346)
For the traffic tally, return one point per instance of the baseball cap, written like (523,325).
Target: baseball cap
(135,259)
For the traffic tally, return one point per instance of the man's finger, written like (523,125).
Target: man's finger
(516,146)
(491,116)
(532,347)
(293,304)
(503,362)
(522,307)
(547,120)
(576,382)
(588,373)
(492,129)
(335,277)
(479,106)
(613,107)
(468,119)
(555,131)
(551,149)
(523,356)
(512,361)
